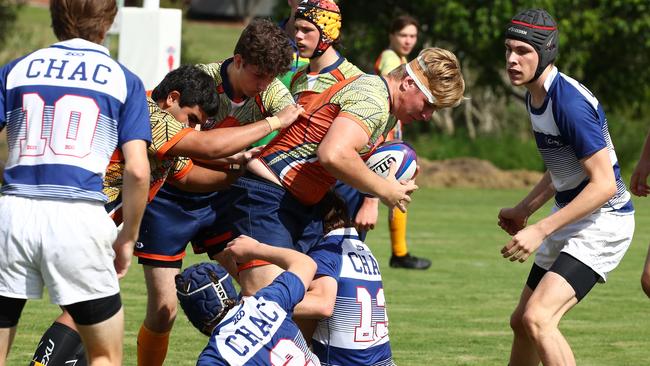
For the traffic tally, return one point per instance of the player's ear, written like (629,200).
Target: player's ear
(172,98)
(407,83)
(238,61)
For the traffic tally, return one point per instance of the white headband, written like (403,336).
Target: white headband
(414,75)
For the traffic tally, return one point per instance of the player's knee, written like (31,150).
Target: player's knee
(645,283)
(10,311)
(95,311)
(517,323)
(162,316)
(535,321)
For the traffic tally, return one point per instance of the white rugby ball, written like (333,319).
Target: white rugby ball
(394,152)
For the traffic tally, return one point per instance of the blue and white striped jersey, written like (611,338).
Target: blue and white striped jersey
(357,331)
(66,108)
(570,126)
(260,331)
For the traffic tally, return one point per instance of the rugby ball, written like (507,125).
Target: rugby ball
(394,152)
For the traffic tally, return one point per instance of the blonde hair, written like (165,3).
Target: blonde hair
(444,78)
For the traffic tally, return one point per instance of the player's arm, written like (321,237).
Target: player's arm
(513,219)
(600,187)
(134,198)
(245,249)
(338,153)
(223,142)
(639,181)
(366,218)
(319,300)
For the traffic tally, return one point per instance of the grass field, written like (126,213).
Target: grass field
(455,313)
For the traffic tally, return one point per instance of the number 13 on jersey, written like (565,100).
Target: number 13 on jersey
(366,331)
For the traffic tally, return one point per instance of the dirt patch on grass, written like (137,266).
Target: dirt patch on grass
(472,173)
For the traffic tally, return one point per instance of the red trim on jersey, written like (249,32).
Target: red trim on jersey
(528,25)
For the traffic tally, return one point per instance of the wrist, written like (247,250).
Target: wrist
(274,123)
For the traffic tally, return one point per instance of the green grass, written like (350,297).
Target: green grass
(455,313)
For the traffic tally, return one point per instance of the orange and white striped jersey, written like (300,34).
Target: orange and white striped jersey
(291,156)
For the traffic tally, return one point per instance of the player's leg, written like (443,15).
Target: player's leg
(645,276)
(10,310)
(169,223)
(266,212)
(153,337)
(19,277)
(61,344)
(523,350)
(552,298)
(78,270)
(400,257)
(100,323)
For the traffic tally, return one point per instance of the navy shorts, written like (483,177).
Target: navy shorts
(172,220)
(267,213)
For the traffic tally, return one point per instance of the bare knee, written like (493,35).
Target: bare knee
(160,318)
(645,283)
(536,322)
(517,323)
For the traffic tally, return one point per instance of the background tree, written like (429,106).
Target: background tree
(8,10)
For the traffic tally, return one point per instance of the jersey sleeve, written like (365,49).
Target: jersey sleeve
(166,131)
(328,260)
(580,127)
(287,290)
(276,97)
(134,114)
(365,101)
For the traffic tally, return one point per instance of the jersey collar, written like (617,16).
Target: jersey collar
(79,44)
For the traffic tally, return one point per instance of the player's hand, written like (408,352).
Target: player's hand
(243,248)
(523,244)
(512,219)
(243,157)
(398,194)
(289,114)
(639,181)
(366,218)
(123,248)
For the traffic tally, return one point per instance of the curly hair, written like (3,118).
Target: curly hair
(87,19)
(195,86)
(264,45)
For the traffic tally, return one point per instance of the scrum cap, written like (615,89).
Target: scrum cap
(326,16)
(537,28)
(206,292)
